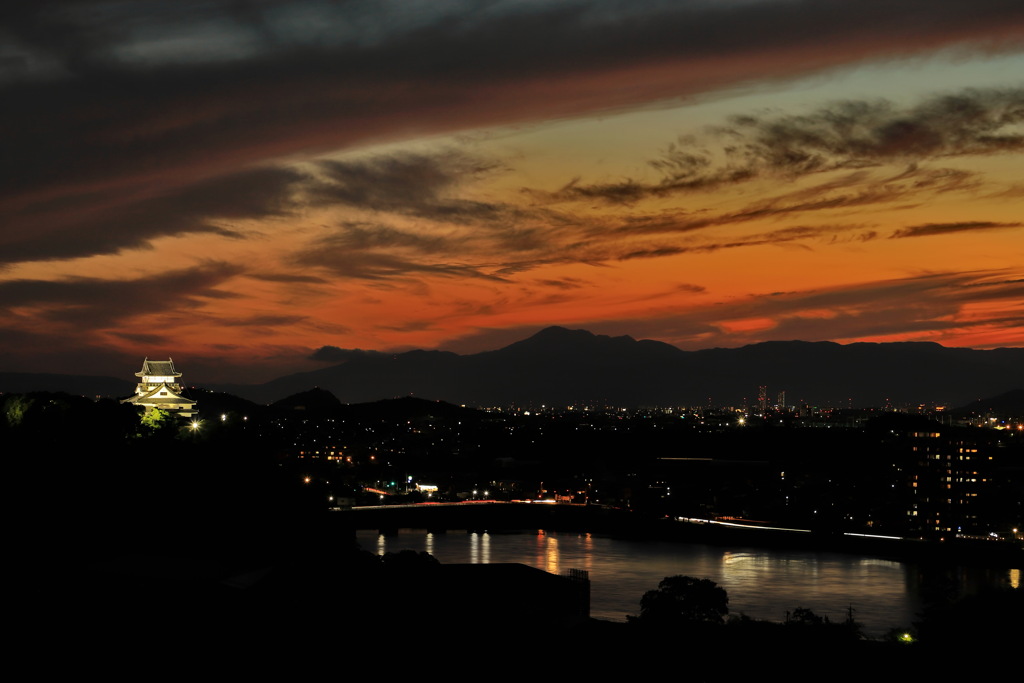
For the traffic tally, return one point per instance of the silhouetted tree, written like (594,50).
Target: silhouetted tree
(807,624)
(684,600)
(803,616)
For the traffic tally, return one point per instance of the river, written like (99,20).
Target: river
(761,583)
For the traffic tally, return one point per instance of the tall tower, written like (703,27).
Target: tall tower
(762,399)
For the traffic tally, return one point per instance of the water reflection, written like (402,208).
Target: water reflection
(479,548)
(546,552)
(762,584)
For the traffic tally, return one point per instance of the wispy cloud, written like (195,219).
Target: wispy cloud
(843,135)
(931,229)
(406,183)
(95,303)
(289,278)
(383,266)
(104,222)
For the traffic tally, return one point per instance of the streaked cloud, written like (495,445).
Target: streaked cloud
(843,135)
(94,303)
(931,229)
(103,221)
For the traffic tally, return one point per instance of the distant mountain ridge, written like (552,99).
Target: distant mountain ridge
(559,366)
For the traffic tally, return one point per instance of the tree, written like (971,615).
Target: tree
(820,628)
(154,418)
(15,408)
(158,422)
(803,616)
(684,600)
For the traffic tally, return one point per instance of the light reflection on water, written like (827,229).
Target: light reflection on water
(763,584)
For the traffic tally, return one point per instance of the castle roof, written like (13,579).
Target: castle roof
(164,368)
(160,395)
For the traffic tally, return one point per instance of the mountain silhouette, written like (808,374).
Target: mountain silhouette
(559,366)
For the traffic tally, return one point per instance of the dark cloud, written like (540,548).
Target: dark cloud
(118,96)
(894,319)
(861,133)
(988,290)
(425,188)
(794,234)
(936,287)
(288,278)
(687,287)
(843,135)
(367,236)
(850,190)
(382,266)
(100,222)
(93,304)
(564,283)
(514,267)
(623,192)
(30,351)
(141,338)
(930,229)
(502,238)
(409,326)
(263,321)
(406,183)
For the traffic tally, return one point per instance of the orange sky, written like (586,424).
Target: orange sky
(246,191)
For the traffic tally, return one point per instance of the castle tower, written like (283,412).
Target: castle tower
(159,388)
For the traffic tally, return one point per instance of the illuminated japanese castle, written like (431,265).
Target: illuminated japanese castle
(159,388)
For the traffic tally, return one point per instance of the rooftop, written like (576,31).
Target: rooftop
(158,367)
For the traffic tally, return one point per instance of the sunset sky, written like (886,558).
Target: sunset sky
(254,187)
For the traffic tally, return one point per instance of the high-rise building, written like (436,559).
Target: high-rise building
(949,478)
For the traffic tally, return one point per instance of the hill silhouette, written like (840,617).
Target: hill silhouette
(559,366)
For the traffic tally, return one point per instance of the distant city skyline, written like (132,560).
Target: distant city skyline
(240,186)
